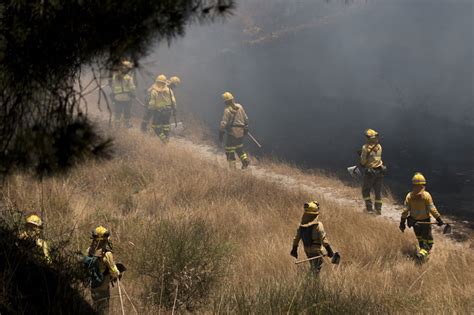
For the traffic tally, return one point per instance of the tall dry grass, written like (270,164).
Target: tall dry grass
(234,234)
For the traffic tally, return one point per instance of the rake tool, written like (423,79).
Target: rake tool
(447,226)
(336,259)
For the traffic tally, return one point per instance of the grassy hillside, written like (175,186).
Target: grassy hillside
(198,237)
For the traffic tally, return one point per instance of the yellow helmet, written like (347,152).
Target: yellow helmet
(418,179)
(161,78)
(311,207)
(100,233)
(371,133)
(34,220)
(175,80)
(227,96)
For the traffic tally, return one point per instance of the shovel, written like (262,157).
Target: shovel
(336,259)
(447,226)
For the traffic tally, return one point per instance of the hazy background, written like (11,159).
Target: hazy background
(313,75)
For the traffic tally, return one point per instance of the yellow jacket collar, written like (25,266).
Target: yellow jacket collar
(306,221)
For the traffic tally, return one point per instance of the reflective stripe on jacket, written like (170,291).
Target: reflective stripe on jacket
(122,86)
(161,97)
(420,206)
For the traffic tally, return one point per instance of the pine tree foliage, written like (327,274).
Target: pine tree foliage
(44,44)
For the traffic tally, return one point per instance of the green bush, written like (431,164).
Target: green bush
(183,259)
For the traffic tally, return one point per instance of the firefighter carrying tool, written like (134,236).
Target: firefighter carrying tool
(419,208)
(234,124)
(311,232)
(374,170)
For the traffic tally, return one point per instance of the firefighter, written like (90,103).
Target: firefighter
(148,112)
(235,125)
(371,160)
(174,82)
(123,92)
(311,231)
(103,271)
(161,105)
(33,227)
(419,208)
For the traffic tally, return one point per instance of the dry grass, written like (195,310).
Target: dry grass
(249,225)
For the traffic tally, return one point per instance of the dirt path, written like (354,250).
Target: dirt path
(211,153)
(391,211)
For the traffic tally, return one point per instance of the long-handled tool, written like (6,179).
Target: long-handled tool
(120,295)
(336,259)
(447,226)
(174,107)
(254,140)
(140,102)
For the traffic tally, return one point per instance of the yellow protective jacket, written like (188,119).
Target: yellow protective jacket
(161,97)
(313,236)
(371,156)
(40,243)
(122,87)
(106,262)
(420,206)
(234,120)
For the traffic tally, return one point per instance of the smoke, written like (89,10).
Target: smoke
(313,75)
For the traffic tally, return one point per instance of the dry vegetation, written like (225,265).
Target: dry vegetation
(218,241)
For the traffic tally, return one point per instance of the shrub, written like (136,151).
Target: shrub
(30,285)
(183,260)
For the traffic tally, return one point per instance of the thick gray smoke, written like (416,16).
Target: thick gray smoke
(314,75)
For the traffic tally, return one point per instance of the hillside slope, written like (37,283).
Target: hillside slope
(199,237)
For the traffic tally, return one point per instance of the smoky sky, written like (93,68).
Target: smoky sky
(313,75)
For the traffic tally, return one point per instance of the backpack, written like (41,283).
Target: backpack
(96,277)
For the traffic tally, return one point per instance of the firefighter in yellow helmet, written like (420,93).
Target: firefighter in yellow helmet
(161,105)
(100,257)
(33,227)
(234,124)
(419,208)
(311,232)
(174,82)
(123,92)
(374,169)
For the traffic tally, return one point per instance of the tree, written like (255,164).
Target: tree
(44,44)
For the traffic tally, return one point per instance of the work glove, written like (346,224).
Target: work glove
(330,251)
(402,226)
(440,221)
(294,252)
(221,136)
